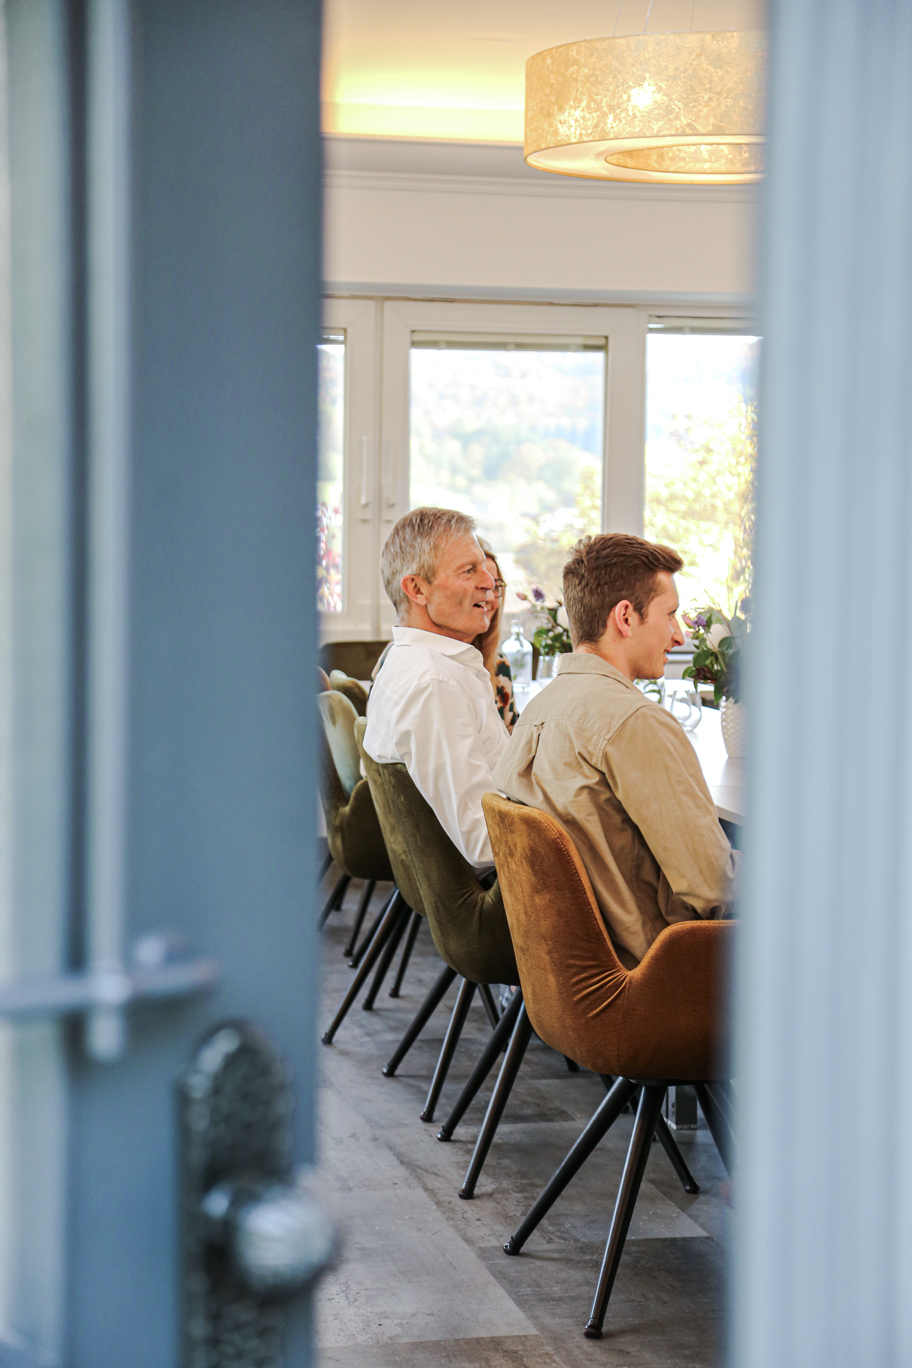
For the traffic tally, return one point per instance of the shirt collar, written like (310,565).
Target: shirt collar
(581,662)
(462,651)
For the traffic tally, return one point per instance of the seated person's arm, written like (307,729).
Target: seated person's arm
(437,738)
(655,773)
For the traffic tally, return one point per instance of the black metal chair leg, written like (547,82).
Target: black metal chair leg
(648,1112)
(367,893)
(596,1129)
(397,911)
(411,937)
(490,1006)
(670,1146)
(366,940)
(324,867)
(335,898)
(501,1034)
(383,964)
(421,1019)
(630,1106)
(519,1042)
(450,1041)
(715,1109)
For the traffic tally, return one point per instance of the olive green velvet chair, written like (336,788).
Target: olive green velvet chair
(357,844)
(353,832)
(353,689)
(660,1023)
(466,920)
(323,687)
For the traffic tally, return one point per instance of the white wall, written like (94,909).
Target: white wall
(459,220)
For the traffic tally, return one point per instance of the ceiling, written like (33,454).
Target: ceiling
(455,69)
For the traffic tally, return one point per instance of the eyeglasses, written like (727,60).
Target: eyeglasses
(499,587)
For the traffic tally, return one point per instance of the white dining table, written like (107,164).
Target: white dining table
(724,775)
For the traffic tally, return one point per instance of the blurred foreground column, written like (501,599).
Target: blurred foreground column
(824,1189)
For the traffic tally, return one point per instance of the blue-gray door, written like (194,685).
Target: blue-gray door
(157,636)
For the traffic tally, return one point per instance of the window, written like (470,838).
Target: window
(532,417)
(528,416)
(701,452)
(347,473)
(511,430)
(330,470)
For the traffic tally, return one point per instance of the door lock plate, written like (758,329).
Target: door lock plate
(253,1233)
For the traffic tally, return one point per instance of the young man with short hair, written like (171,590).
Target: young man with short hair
(432,705)
(617,770)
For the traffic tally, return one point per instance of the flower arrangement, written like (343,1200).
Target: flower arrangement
(549,621)
(718,640)
(329,560)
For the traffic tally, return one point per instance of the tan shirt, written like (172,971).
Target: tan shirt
(621,775)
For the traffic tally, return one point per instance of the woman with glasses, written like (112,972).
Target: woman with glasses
(488,643)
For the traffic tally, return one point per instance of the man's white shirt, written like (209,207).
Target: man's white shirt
(432,707)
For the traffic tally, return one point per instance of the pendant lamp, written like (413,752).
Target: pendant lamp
(669,107)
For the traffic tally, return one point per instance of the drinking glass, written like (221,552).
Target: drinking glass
(686,705)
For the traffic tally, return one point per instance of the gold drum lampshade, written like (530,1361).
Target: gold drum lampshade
(672,107)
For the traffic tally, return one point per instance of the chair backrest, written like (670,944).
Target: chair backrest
(467,921)
(665,1019)
(356,658)
(352,830)
(353,689)
(339,718)
(393,836)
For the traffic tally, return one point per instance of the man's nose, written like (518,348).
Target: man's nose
(486,581)
(678,637)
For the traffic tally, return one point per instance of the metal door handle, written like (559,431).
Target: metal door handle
(364,499)
(160,968)
(279,1236)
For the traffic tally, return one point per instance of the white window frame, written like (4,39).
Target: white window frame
(378,338)
(625,331)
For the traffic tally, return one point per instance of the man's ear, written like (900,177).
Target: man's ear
(414,589)
(623,617)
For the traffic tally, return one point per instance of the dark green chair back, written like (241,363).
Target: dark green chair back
(399,855)
(467,921)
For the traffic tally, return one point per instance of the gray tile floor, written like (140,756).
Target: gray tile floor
(423,1281)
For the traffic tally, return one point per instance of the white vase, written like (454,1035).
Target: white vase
(734,728)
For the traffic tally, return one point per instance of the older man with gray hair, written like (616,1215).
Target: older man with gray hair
(432,705)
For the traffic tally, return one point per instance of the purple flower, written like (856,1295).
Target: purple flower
(700,620)
(538,594)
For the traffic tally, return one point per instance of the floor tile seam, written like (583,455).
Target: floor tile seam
(458,1339)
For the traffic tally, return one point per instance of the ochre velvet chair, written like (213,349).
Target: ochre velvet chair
(466,920)
(661,1023)
(356,844)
